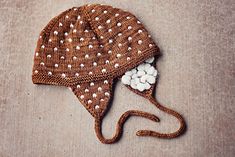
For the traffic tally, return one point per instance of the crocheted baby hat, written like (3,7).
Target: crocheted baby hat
(87,48)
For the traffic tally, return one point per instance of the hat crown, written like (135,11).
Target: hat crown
(91,42)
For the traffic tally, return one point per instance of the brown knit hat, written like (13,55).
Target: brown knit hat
(87,48)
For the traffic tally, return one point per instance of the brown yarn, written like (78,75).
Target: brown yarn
(86,48)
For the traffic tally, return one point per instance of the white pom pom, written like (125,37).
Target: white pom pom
(147,66)
(126,79)
(151,79)
(150,71)
(155,73)
(144,78)
(129,73)
(150,60)
(147,85)
(140,73)
(141,87)
(134,76)
(134,71)
(141,67)
(133,84)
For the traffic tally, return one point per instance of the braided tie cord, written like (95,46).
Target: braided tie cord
(127,114)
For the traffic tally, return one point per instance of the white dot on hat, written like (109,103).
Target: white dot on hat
(63,75)
(74,31)
(109,30)
(69,66)
(55,32)
(140,31)
(103,70)
(36,54)
(86,90)
(98,54)
(119,24)
(42,63)
(100,27)
(92,84)
(49,73)
(78,86)
(129,27)
(93,10)
(128,17)
(105,11)
(106,94)
(97,18)
(70,40)
(128,58)
(81,65)
(62,57)
(35,71)
(65,33)
(97,107)
(82,96)
(49,56)
(105,81)
(129,38)
(43,46)
(107,61)
(110,41)
(99,89)
(55,48)
(90,73)
(94,95)
(118,55)
(76,74)
(81,39)
(108,21)
(94,64)
(86,56)
(116,65)
(116,15)
(67,49)
(81,22)
(74,57)
(78,47)
(109,51)
(140,42)
(79,17)
(60,24)
(71,25)
(90,46)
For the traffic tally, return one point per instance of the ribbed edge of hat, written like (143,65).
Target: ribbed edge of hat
(40,78)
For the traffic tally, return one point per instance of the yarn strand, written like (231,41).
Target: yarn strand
(164,135)
(127,114)
(120,123)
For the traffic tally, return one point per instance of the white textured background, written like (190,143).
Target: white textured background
(197,78)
